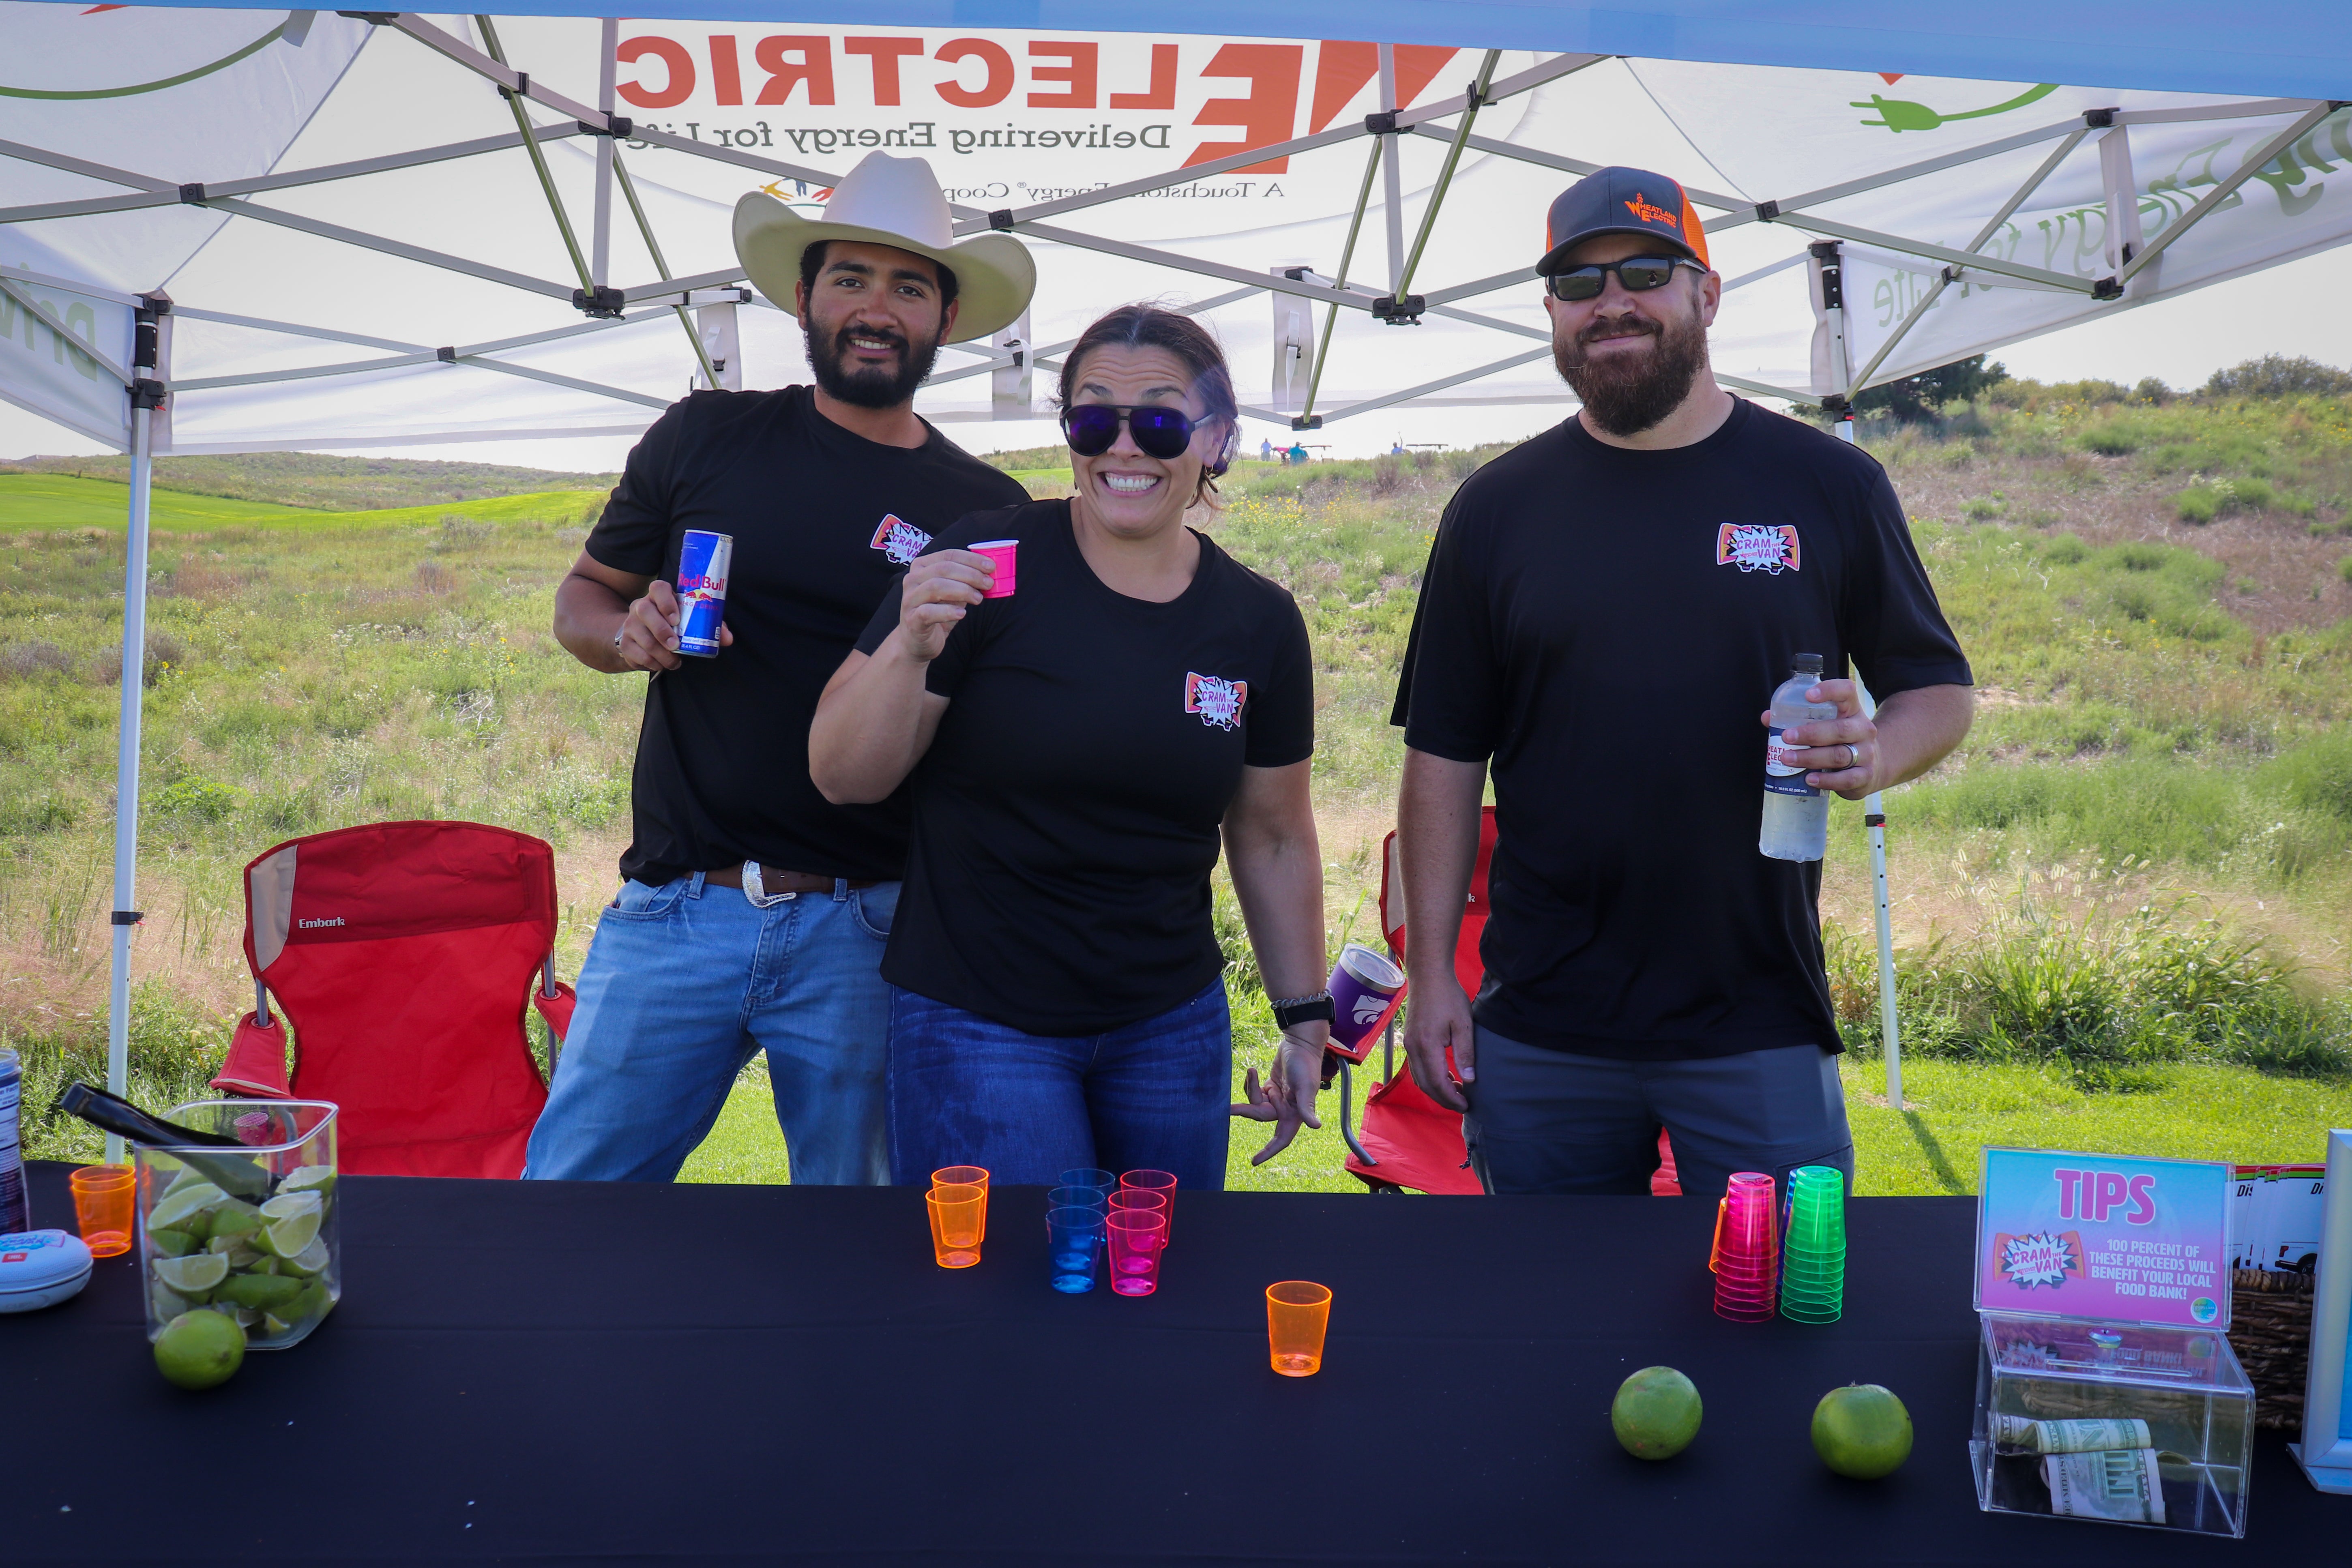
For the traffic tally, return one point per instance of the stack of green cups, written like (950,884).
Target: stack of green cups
(1812,1268)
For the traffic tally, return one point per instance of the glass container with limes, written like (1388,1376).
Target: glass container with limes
(251,1230)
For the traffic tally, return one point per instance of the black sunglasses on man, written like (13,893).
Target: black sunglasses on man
(1639,274)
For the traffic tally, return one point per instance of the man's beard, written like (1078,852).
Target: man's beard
(1626,394)
(871,387)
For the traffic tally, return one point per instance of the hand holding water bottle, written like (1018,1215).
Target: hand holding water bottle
(1841,753)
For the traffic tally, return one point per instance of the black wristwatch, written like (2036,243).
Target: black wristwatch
(1289,1011)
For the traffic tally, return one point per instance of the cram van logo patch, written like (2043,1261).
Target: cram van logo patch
(897,540)
(1758,547)
(1219,702)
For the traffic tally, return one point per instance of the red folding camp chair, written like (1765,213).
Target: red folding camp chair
(1409,1140)
(400,953)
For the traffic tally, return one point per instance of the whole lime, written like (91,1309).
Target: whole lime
(1656,1413)
(200,1350)
(1862,1430)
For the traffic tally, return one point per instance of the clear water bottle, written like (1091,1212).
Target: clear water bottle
(1796,815)
(15,1212)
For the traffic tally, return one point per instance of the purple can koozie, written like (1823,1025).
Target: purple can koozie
(1363,983)
(704,560)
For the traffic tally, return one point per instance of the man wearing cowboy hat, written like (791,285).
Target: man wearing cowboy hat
(753,911)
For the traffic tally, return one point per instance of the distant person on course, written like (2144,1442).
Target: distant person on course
(754,910)
(1075,751)
(1605,610)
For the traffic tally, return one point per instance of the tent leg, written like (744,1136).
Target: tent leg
(1393,187)
(1347,1113)
(1874,815)
(126,765)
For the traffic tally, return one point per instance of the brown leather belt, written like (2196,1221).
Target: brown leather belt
(775,880)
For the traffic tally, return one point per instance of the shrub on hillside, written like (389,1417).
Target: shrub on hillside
(2277,375)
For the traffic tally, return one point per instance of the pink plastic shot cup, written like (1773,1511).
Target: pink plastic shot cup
(1136,1200)
(1747,1260)
(1003,555)
(1160,1182)
(1138,1236)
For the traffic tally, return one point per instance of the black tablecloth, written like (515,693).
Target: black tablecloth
(571,1373)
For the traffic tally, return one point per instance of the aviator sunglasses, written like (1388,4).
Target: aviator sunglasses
(1639,274)
(1092,429)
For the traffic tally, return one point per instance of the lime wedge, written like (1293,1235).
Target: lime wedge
(308,1178)
(287,1237)
(186,1200)
(233,1225)
(269,1292)
(286,1206)
(311,1259)
(192,1275)
(171,1244)
(272,1325)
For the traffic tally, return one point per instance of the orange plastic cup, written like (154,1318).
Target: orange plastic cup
(957,1212)
(966,1176)
(1714,1257)
(102,1195)
(1297,1313)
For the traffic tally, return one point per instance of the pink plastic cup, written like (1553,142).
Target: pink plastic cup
(1160,1182)
(1003,555)
(1139,1201)
(1138,1236)
(1748,1258)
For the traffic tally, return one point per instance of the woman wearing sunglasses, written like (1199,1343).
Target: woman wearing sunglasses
(1081,715)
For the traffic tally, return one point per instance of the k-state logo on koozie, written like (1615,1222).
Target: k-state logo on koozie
(1757,547)
(1217,701)
(898,541)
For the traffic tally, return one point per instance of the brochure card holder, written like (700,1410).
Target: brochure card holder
(2326,1451)
(2107,1388)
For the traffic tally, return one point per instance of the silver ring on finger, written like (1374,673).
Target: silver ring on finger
(1852,755)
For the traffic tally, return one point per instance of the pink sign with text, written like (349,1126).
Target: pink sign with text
(2104,1236)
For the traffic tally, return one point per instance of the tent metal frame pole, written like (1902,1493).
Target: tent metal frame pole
(480,64)
(575,382)
(1439,384)
(1476,97)
(1305,420)
(260,324)
(415,356)
(600,221)
(1392,183)
(1738,207)
(67,162)
(1945,253)
(133,680)
(2255,162)
(73,341)
(1047,356)
(1890,1025)
(539,165)
(1277,284)
(661,263)
(1950,274)
(158,194)
(406,252)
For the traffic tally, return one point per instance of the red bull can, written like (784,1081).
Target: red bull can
(704,560)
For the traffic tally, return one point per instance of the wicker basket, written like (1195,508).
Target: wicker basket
(2270,1328)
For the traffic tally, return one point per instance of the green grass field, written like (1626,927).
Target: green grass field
(2121,908)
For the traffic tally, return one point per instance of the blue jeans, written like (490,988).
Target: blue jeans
(965,1091)
(683,984)
(1548,1122)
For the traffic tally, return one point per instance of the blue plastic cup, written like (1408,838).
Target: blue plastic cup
(1102,1181)
(1093,1198)
(1074,1248)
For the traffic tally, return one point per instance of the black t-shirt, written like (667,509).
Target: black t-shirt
(1607,625)
(822,521)
(1067,814)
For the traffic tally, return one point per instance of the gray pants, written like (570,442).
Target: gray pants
(1544,1122)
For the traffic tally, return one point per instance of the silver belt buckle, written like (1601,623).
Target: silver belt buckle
(755,889)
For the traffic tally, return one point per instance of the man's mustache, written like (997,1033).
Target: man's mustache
(1619,327)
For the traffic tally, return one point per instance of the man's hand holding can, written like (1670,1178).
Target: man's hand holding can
(647,638)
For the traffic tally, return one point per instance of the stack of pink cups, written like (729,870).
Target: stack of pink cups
(1748,1264)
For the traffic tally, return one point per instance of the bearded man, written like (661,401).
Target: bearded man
(1587,624)
(753,912)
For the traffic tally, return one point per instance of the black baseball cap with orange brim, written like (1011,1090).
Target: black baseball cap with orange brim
(1619,200)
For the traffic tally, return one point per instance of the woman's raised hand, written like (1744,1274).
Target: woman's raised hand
(939,588)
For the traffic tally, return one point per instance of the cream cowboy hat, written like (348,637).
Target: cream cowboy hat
(896,202)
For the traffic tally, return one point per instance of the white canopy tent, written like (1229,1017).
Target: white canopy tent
(242,229)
